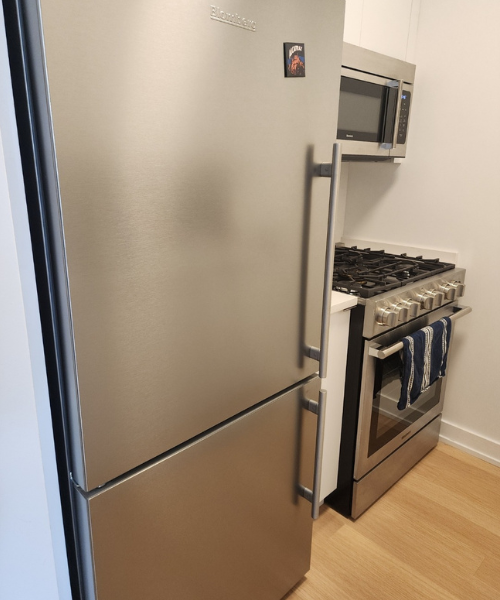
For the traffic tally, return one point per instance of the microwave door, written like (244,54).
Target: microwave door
(364,123)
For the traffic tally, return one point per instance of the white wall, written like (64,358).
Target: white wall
(386,26)
(32,551)
(446,195)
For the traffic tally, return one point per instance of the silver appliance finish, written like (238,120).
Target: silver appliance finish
(369,489)
(220,518)
(417,295)
(313,495)
(364,462)
(368,61)
(366,65)
(376,434)
(331,170)
(375,473)
(381,334)
(188,225)
(192,219)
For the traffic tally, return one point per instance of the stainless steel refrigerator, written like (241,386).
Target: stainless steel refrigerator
(171,153)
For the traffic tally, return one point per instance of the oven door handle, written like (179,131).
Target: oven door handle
(382,353)
(331,170)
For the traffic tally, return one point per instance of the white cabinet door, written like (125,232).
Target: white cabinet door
(385,26)
(334,384)
(353,21)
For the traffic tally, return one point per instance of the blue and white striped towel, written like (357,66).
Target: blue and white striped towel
(424,356)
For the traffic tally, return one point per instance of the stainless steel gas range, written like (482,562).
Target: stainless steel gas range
(398,295)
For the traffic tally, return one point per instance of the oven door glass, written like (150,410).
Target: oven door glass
(387,421)
(367,111)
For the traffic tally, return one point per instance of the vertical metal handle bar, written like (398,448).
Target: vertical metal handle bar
(333,171)
(398,109)
(313,496)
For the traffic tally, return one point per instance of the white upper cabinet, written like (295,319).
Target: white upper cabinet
(353,21)
(386,26)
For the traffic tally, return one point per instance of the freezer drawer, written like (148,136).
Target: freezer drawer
(219,519)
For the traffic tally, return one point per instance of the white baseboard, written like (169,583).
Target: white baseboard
(488,450)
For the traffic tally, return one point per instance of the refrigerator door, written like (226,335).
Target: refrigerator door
(194,228)
(219,519)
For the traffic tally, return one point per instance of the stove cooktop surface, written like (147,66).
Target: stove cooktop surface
(366,272)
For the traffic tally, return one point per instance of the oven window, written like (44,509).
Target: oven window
(387,421)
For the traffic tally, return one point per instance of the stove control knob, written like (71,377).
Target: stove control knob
(386,316)
(413,307)
(426,300)
(402,312)
(438,297)
(450,292)
(460,287)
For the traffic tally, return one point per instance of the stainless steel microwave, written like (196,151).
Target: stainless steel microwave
(375,102)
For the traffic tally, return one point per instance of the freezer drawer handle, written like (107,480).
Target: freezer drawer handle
(313,496)
(377,352)
(331,170)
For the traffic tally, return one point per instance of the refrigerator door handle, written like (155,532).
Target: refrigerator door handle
(313,496)
(331,170)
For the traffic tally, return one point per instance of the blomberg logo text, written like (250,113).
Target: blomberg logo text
(231,19)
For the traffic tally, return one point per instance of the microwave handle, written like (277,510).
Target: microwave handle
(393,135)
(398,110)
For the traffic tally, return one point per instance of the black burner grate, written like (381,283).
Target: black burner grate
(369,272)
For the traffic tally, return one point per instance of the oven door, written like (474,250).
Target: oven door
(382,428)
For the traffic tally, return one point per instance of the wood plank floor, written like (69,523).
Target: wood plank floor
(435,535)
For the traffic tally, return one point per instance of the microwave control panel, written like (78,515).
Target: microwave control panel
(403,116)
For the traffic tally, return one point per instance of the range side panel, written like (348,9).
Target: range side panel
(341,498)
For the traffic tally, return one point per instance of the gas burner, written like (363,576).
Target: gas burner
(370,272)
